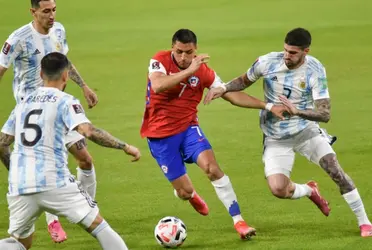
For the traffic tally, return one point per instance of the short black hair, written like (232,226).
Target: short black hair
(184,36)
(298,37)
(36,3)
(53,65)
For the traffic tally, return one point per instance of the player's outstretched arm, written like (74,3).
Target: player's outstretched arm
(104,139)
(321,113)
(240,83)
(89,94)
(243,100)
(5,142)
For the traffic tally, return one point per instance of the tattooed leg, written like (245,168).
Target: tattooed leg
(330,164)
(347,188)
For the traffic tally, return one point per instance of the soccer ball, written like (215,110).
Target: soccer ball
(170,232)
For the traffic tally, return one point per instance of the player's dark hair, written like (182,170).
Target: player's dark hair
(53,65)
(36,3)
(184,36)
(298,37)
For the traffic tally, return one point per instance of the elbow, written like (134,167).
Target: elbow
(327,118)
(156,87)
(86,130)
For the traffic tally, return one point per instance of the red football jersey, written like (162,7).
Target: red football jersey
(174,110)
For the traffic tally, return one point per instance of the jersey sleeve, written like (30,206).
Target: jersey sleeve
(156,66)
(217,81)
(9,126)
(256,70)
(319,85)
(10,51)
(64,41)
(74,114)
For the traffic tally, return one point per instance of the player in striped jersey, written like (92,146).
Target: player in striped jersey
(39,179)
(298,81)
(25,48)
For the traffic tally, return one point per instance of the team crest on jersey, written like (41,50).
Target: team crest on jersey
(302,85)
(6,48)
(58,47)
(165,169)
(193,81)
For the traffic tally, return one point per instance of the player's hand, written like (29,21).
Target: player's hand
(197,62)
(133,151)
(291,108)
(278,111)
(90,96)
(214,93)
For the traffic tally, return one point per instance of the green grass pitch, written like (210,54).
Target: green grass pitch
(111,43)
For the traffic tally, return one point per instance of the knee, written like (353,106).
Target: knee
(27,243)
(184,193)
(278,191)
(213,171)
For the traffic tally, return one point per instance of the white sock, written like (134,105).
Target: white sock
(50,218)
(11,244)
(226,194)
(301,190)
(176,194)
(356,204)
(88,180)
(108,238)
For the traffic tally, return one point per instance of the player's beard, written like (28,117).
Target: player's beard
(291,65)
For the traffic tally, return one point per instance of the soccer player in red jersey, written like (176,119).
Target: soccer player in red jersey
(176,82)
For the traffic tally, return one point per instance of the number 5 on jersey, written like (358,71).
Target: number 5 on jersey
(33,126)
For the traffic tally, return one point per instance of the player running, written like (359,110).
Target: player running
(25,48)
(176,81)
(39,179)
(299,81)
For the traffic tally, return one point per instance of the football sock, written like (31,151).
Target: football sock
(11,244)
(50,217)
(356,204)
(301,190)
(108,238)
(88,180)
(226,194)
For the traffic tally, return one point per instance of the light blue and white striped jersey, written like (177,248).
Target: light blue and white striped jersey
(302,86)
(39,124)
(25,48)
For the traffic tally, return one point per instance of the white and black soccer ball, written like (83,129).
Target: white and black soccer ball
(170,232)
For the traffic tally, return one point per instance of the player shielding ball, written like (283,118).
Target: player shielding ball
(39,178)
(176,81)
(25,48)
(298,81)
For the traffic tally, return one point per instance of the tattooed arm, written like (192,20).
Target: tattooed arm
(75,76)
(240,83)
(321,113)
(5,142)
(104,139)
(237,84)
(89,95)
